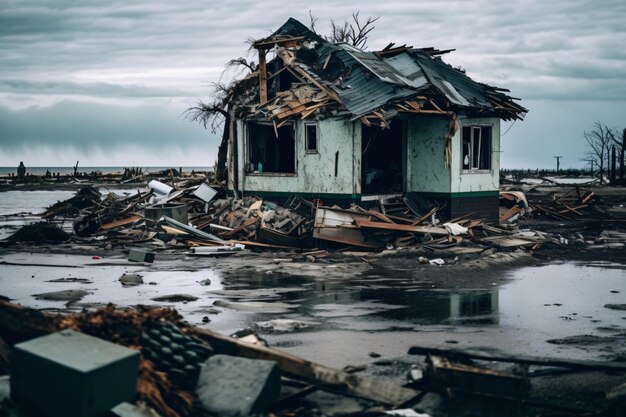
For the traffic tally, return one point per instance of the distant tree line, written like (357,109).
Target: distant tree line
(606,147)
(519,174)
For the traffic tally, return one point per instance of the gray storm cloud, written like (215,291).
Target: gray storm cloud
(109,73)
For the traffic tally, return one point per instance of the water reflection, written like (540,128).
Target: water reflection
(374,298)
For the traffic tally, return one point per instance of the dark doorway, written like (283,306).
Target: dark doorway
(268,153)
(382,167)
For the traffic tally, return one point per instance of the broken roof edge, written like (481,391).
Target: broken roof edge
(456,90)
(291,30)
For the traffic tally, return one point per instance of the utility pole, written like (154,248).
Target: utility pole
(558,163)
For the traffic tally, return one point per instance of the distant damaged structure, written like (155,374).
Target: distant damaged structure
(336,123)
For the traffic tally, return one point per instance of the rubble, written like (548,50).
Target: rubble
(171,352)
(235,377)
(205,221)
(232,386)
(39,233)
(221,226)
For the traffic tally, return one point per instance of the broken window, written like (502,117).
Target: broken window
(311,138)
(477,144)
(269,153)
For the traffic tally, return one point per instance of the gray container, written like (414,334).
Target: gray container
(177,212)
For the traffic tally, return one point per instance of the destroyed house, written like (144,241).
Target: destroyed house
(336,123)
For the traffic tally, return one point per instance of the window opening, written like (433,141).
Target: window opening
(268,153)
(311,138)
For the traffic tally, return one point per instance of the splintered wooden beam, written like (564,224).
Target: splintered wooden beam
(379,390)
(269,43)
(432,103)
(118,223)
(443,374)
(262,77)
(401,227)
(327,60)
(319,85)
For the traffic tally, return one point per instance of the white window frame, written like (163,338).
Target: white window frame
(474,166)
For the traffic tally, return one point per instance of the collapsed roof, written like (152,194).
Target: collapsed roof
(310,75)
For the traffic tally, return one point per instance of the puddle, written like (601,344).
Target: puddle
(356,312)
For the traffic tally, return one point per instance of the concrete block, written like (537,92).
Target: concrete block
(232,386)
(136,255)
(71,374)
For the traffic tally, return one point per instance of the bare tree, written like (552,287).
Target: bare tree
(598,142)
(214,115)
(313,21)
(353,32)
(620,144)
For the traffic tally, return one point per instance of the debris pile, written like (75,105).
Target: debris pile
(570,205)
(233,377)
(38,233)
(164,341)
(191,215)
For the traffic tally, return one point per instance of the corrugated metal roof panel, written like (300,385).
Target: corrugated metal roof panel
(411,73)
(374,64)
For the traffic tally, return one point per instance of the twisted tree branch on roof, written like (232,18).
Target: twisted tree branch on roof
(354,33)
(313,21)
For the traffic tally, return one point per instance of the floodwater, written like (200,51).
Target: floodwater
(339,314)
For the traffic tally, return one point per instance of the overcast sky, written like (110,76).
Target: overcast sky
(106,82)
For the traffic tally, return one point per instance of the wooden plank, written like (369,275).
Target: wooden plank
(401,227)
(586,199)
(523,359)
(118,223)
(442,374)
(265,43)
(379,390)
(291,112)
(261,245)
(173,230)
(380,216)
(249,222)
(509,213)
(434,105)
(330,224)
(319,85)
(262,76)
(327,60)
(572,209)
(425,216)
